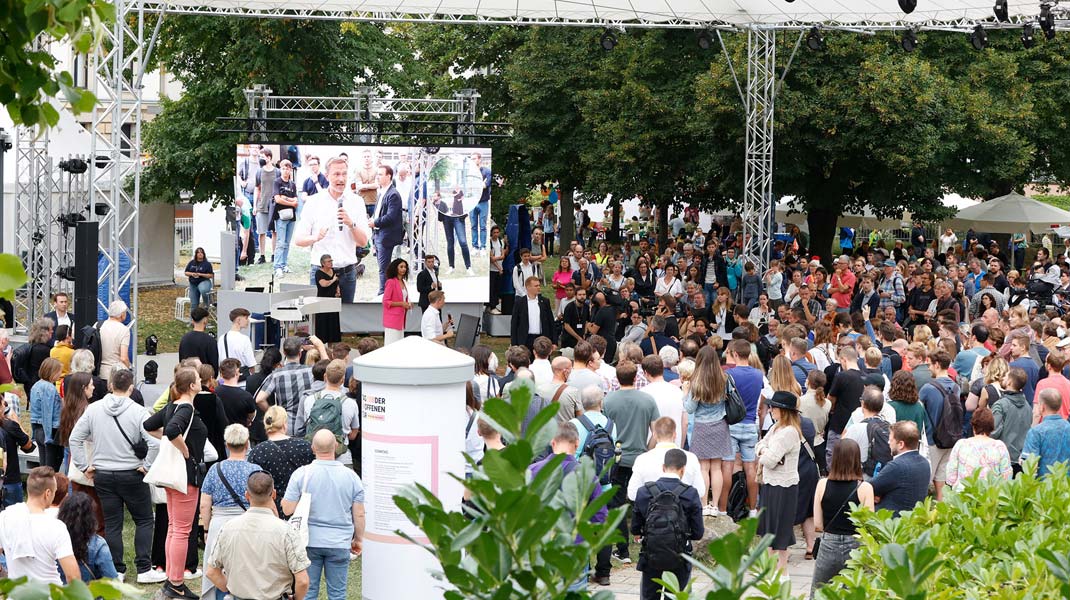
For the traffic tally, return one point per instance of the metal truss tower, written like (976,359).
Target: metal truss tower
(758,104)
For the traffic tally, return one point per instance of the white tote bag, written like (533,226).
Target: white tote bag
(299,520)
(169,468)
(75,474)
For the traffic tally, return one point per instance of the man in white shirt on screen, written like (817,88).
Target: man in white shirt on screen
(431,323)
(335,222)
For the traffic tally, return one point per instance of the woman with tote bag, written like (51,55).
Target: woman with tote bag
(186,434)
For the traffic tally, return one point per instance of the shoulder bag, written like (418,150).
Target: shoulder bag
(169,468)
(734,409)
(299,519)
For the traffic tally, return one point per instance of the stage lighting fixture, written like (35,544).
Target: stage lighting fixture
(1047,21)
(705,40)
(66,273)
(151,344)
(979,38)
(1001,12)
(909,41)
(69,220)
(908,6)
(101,209)
(608,41)
(1027,36)
(74,166)
(815,41)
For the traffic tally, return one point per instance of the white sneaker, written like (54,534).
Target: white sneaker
(753,513)
(120,577)
(470,272)
(287,269)
(448,271)
(193,575)
(151,577)
(707,511)
(495,311)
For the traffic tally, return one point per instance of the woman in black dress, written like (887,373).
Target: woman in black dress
(808,476)
(328,327)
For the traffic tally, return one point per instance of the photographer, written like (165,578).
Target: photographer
(668,308)
(656,339)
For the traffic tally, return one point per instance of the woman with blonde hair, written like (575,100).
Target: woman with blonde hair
(778,463)
(781,379)
(924,334)
(992,389)
(710,441)
(281,454)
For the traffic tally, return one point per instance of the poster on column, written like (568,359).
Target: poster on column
(364,206)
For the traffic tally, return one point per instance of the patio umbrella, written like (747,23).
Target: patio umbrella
(1013,213)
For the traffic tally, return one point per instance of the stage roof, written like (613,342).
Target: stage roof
(626,13)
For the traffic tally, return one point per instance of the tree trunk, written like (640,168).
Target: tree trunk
(822,224)
(566,219)
(663,226)
(613,235)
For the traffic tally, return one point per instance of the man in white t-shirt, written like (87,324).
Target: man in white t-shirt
(668,397)
(332,385)
(114,340)
(647,465)
(234,343)
(335,222)
(431,327)
(32,541)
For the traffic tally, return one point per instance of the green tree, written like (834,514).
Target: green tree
(291,57)
(29,79)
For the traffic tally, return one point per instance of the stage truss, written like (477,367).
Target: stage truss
(117,68)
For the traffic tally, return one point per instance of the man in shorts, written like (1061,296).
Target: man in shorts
(749,382)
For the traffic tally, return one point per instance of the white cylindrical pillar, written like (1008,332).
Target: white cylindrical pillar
(412,428)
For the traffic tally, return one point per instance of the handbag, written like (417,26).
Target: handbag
(817,542)
(734,409)
(286,214)
(210,454)
(141,448)
(169,468)
(75,474)
(299,519)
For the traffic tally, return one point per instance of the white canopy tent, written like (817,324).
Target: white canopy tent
(1013,213)
(867,218)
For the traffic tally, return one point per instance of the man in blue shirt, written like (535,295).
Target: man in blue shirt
(749,383)
(336,519)
(1049,439)
(904,482)
(567,442)
(1020,353)
(965,360)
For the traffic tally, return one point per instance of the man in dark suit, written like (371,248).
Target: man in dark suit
(904,482)
(526,326)
(427,281)
(387,223)
(60,315)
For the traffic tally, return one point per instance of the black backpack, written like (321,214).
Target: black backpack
(949,429)
(666,531)
(599,446)
(737,497)
(20,364)
(90,340)
(880,453)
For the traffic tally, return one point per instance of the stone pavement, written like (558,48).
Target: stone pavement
(625,579)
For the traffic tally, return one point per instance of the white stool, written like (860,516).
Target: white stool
(182,309)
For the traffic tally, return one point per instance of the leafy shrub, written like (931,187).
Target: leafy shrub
(108,589)
(994,540)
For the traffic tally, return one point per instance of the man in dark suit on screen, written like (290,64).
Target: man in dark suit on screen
(387,224)
(427,281)
(526,325)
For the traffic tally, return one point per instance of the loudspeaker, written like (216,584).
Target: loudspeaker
(467,331)
(86,234)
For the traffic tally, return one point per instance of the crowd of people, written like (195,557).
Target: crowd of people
(254,442)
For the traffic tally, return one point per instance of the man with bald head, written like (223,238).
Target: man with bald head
(336,520)
(560,392)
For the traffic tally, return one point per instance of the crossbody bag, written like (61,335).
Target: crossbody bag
(234,495)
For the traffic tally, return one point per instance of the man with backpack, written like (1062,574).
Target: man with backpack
(597,439)
(331,409)
(943,406)
(667,516)
(871,433)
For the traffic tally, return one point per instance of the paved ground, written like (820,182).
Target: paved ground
(624,581)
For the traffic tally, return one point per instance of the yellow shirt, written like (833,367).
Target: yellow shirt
(63,352)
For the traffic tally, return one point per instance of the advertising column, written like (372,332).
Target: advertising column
(412,429)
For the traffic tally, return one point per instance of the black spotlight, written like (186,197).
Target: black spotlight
(979,38)
(909,41)
(67,273)
(1047,21)
(705,40)
(1000,10)
(815,41)
(101,209)
(151,343)
(908,6)
(74,166)
(1027,36)
(608,41)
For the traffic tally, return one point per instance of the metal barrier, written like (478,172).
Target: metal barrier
(184,235)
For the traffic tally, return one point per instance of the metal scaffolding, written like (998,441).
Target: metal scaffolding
(758,103)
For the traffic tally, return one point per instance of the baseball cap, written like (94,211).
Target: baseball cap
(889,263)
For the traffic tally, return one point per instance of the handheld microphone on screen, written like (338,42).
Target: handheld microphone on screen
(341,225)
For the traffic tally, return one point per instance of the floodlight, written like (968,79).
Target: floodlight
(1027,36)
(909,41)
(1001,11)
(979,38)
(705,40)
(815,41)
(908,6)
(608,41)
